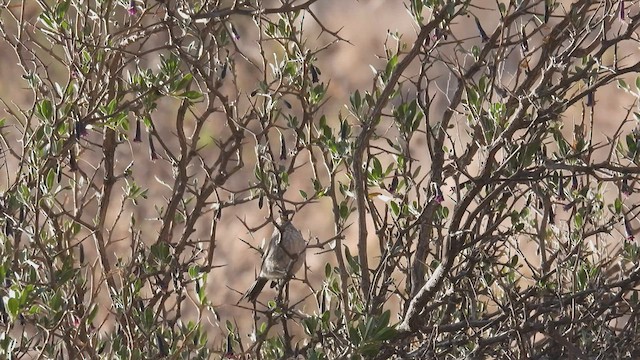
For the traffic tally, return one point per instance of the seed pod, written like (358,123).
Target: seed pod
(8,229)
(547,10)
(561,194)
(152,149)
(234,33)
(552,216)
(314,74)
(229,351)
(73,166)
(574,183)
(525,40)
(101,348)
(344,129)
(283,148)
(621,9)
(80,129)
(591,99)
(138,136)
(287,104)
(162,345)
(627,230)
(3,313)
(483,34)
(223,72)
(394,182)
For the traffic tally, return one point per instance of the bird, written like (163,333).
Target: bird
(284,256)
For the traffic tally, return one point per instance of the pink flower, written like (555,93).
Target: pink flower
(438,197)
(132,8)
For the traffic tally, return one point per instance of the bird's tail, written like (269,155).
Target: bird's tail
(255,289)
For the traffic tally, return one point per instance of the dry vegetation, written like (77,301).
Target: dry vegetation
(465,174)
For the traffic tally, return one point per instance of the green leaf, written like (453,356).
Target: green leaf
(502,8)
(472,96)
(391,66)
(183,83)
(581,278)
(376,171)
(344,210)
(194,271)
(617,205)
(44,109)
(12,306)
(51,178)
(191,95)
(385,334)
(310,325)
(623,84)
(61,10)
(395,209)
(356,101)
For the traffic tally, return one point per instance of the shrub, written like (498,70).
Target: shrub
(475,209)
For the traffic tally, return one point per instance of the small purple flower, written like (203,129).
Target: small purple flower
(132,8)
(626,189)
(627,230)
(438,197)
(439,34)
(591,99)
